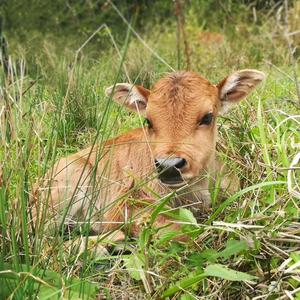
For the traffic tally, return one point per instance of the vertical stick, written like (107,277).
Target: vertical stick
(179,11)
(178,36)
(291,48)
(7,122)
(3,51)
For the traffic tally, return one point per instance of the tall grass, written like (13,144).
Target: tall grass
(53,104)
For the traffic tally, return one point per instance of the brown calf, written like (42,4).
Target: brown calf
(111,183)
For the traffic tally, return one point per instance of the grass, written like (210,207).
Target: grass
(54,105)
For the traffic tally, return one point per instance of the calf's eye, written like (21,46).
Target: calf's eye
(207,119)
(148,123)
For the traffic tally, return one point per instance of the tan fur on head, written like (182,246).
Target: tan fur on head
(181,111)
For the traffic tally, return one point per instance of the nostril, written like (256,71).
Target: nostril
(157,164)
(180,164)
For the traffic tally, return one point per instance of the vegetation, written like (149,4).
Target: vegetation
(53,104)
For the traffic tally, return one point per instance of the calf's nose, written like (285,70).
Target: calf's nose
(169,169)
(172,162)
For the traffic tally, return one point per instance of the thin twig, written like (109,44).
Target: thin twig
(181,27)
(139,37)
(291,49)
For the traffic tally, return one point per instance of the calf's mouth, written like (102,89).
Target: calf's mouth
(169,171)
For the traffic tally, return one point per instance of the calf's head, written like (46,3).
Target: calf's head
(180,113)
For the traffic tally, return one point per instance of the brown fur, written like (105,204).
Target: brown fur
(211,38)
(103,184)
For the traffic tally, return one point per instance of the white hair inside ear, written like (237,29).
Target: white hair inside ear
(237,86)
(131,96)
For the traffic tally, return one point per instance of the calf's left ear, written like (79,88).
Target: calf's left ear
(237,86)
(133,97)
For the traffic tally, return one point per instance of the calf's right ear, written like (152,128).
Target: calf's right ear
(134,97)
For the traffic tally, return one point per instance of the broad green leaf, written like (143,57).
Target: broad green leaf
(183,215)
(47,284)
(210,255)
(160,207)
(165,235)
(187,297)
(221,271)
(233,247)
(295,256)
(189,223)
(135,266)
(184,284)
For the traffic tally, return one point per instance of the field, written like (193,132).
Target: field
(53,104)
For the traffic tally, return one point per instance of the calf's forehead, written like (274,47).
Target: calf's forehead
(182,92)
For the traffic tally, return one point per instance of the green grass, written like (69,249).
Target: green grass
(54,105)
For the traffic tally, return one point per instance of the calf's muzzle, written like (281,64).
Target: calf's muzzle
(169,169)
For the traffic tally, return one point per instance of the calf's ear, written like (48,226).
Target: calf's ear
(237,86)
(134,97)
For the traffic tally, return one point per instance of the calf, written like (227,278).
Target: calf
(110,183)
